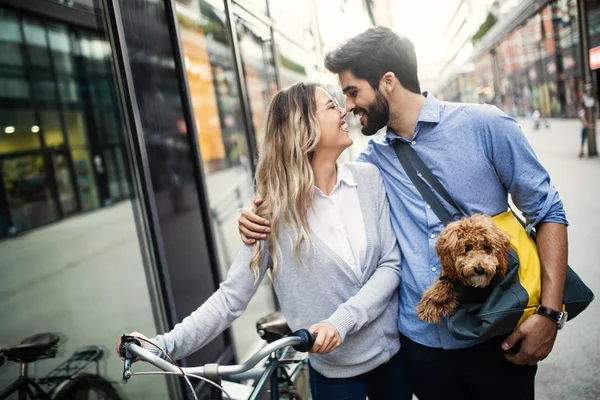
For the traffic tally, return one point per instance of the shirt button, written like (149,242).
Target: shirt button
(432,236)
(428,206)
(433,269)
(413,142)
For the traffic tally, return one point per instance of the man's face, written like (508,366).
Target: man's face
(362,100)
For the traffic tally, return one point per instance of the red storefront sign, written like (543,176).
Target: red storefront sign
(595,58)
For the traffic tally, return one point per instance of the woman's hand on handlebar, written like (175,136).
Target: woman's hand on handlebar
(328,338)
(136,334)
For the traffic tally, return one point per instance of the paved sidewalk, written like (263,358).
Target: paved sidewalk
(572,369)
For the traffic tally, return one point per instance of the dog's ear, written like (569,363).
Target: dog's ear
(447,248)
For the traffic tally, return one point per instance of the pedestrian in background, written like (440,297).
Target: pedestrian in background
(585,125)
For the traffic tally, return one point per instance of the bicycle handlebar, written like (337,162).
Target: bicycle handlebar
(301,340)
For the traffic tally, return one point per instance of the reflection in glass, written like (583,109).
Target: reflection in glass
(60,277)
(27,192)
(68,90)
(113,183)
(10,39)
(259,71)
(221,134)
(75,128)
(64,185)
(44,88)
(37,45)
(13,85)
(86,185)
(292,17)
(295,63)
(18,131)
(60,47)
(53,134)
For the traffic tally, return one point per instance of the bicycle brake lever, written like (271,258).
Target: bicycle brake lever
(126,340)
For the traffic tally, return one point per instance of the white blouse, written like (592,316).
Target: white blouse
(338,221)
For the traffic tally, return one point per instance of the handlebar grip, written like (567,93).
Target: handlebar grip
(308,340)
(125,340)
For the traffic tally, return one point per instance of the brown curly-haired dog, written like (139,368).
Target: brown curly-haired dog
(473,250)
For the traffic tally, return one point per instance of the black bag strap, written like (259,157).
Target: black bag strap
(416,169)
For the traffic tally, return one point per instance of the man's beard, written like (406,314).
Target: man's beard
(377,115)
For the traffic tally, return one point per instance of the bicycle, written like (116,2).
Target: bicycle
(65,382)
(274,373)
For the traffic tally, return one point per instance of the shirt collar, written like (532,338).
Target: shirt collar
(343,175)
(430,112)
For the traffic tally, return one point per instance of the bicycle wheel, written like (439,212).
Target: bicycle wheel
(88,387)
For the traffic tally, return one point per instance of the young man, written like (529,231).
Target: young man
(481,156)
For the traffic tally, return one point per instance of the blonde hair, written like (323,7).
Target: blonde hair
(284,176)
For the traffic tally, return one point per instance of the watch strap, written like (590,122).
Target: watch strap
(548,312)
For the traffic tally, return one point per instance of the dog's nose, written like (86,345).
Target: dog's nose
(479,270)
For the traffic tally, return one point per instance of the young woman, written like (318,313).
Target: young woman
(332,254)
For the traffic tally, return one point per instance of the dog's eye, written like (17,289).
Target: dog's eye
(487,248)
(468,248)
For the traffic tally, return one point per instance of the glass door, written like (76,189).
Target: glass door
(64,182)
(259,70)
(28,195)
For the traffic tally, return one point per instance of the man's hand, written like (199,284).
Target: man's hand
(251,226)
(537,335)
(328,338)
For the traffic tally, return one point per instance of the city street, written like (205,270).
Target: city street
(572,369)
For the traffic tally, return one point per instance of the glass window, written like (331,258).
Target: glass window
(295,64)
(255,6)
(68,90)
(60,47)
(259,71)
(123,175)
(44,87)
(222,137)
(37,45)
(75,128)
(110,132)
(53,133)
(59,277)
(84,176)
(112,174)
(64,184)
(13,85)
(28,193)
(19,131)
(292,17)
(10,39)
(95,51)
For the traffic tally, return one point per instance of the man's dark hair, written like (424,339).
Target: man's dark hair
(373,53)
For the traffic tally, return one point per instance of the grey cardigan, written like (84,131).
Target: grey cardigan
(363,310)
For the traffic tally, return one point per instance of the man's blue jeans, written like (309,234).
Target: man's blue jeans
(384,382)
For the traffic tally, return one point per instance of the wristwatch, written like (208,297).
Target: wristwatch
(560,317)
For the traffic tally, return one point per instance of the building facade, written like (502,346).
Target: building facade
(531,60)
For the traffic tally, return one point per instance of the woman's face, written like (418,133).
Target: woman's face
(334,130)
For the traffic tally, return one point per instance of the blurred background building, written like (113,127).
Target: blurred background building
(520,56)
(128,134)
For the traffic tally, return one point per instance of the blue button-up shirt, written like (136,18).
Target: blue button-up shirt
(480,155)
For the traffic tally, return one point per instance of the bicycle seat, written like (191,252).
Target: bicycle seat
(42,345)
(272,327)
